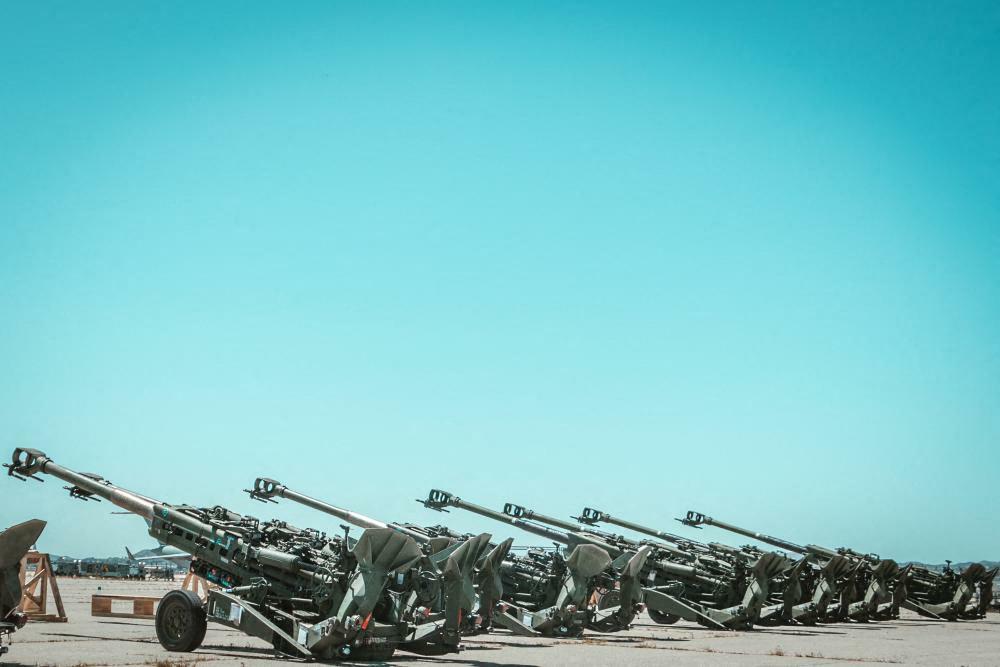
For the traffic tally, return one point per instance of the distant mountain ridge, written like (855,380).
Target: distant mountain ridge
(955,566)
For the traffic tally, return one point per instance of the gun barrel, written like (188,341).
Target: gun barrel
(438,500)
(29,462)
(615,545)
(697,518)
(266,489)
(353,518)
(591,516)
(639,528)
(521,512)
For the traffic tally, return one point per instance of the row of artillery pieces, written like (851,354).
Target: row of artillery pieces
(422,588)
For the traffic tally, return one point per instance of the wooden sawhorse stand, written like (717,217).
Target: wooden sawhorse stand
(35,591)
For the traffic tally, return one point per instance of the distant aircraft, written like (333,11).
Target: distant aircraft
(162,552)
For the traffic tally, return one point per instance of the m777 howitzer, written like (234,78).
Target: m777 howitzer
(842,573)
(714,595)
(14,544)
(785,589)
(985,584)
(443,584)
(534,580)
(307,595)
(589,574)
(948,595)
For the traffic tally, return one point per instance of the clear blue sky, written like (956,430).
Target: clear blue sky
(650,258)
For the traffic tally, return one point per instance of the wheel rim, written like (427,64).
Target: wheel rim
(176,621)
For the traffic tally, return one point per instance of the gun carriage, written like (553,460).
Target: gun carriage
(453,581)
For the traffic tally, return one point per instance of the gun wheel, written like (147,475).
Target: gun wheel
(180,621)
(610,599)
(572,632)
(661,617)
(368,653)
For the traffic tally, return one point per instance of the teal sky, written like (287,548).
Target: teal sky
(647,258)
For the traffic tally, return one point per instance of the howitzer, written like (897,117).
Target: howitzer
(712,594)
(306,594)
(534,579)
(868,587)
(454,579)
(487,572)
(949,595)
(985,592)
(14,544)
(988,597)
(785,590)
(585,597)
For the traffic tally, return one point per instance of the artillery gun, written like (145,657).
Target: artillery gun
(986,594)
(535,581)
(14,544)
(713,593)
(585,577)
(844,573)
(785,589)
(948,595)
(455,580)
(308,595)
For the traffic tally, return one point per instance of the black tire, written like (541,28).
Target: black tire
(611,598)
(661,617)
(367,653)
(203,627)
(575,632)
(180,621)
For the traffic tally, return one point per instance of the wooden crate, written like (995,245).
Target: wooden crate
(143,606)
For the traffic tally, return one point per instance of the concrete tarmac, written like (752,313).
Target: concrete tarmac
(87,641)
